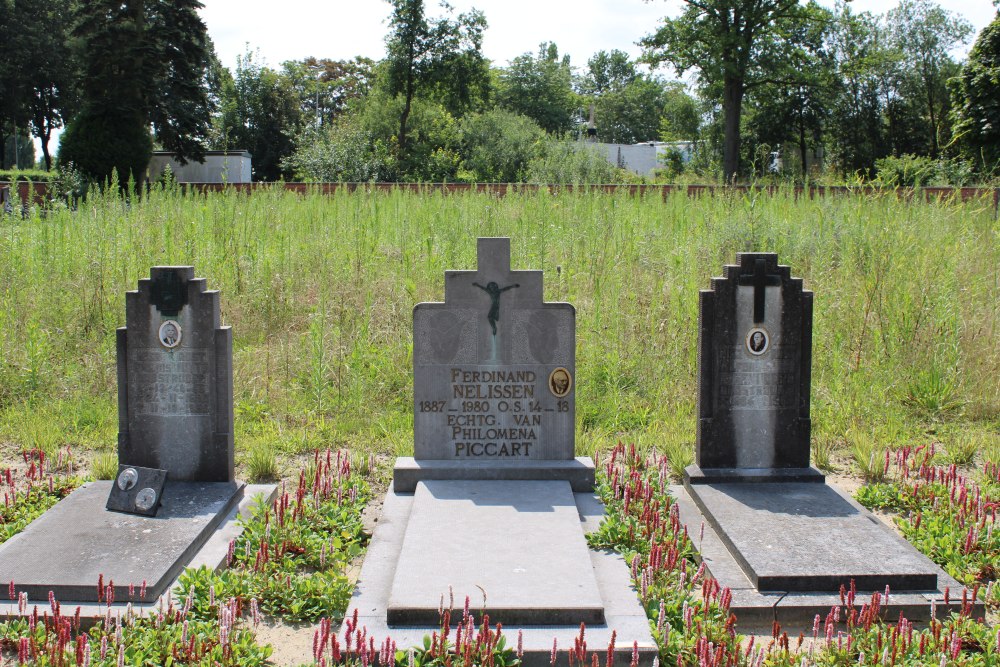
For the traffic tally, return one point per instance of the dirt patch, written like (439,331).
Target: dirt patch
(291,642)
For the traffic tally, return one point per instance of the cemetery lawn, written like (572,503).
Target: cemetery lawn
(320,290)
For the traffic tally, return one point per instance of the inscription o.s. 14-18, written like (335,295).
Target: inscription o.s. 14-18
(495,413)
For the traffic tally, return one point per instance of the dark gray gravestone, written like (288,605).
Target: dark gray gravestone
(175,379)
(754,356)
(493,380)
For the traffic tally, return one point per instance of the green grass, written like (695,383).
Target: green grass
(319,292)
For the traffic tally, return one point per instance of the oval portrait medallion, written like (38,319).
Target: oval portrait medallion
(170,334)
(127,479)
(757,341)
(145,499)
(560,382)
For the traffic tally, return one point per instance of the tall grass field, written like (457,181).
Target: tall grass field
(319,291)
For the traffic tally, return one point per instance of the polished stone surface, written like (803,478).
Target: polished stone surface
(514,548)
(78,541)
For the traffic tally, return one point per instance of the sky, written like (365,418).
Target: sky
(342,29)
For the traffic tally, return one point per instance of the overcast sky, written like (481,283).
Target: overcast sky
(341,29)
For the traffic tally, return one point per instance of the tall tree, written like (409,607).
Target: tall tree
(37,74)
(977,92)
(438,56)
(734,45)
(260,113)
(325,87)
(924,33)
(145,63)
(856,129)
(540,88)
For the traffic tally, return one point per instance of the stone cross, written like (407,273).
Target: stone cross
(494,366)
(175,379)
(754,358)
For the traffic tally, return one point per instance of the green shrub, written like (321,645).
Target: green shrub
(498,145)
(99,143)
(573,162)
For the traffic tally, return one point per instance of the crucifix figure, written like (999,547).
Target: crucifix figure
(759,279)
(494,291)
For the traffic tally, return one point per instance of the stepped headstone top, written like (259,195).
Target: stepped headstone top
(494,366)
(754,358)
(175,380)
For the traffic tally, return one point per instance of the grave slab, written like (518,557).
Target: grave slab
(795,611)
(213,554)
(518,544)
(794,536)
(72,545)
(623,614)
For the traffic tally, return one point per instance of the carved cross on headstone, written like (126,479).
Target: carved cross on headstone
(759,279)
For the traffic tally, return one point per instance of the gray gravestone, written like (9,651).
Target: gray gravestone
(175,379)
(494,379)
(754,356)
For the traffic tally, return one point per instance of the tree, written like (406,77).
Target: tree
(632,113)
(326,87)
(924,33)
(977,92)
(607,72)
(259,112)
(37,74)
(144,63)
(794,110)
(735,45)
(681,118)
(861,60)
(440,57)
(540,88)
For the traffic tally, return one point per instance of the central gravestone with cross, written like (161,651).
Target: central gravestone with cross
(780,525)
(493,505)
(175,484)
(493,380)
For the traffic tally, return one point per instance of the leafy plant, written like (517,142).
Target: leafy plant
(292,556)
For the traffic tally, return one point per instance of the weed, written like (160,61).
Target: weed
(961,447)
(823,447)
(870,456)
(933,393)
(262,462)
(105,465)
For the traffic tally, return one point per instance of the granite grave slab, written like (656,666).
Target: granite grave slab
(78,541)
(486,527)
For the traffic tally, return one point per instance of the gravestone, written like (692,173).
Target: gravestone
(493,380)
(783,531)
(175,483)
(755,358)
(492,507)
(175,379)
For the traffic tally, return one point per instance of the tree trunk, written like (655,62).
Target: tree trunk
(732,105)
